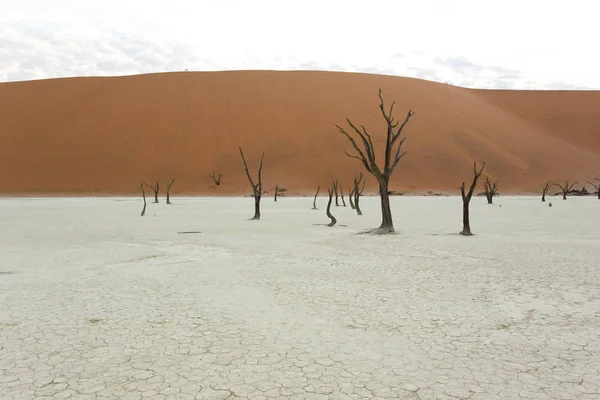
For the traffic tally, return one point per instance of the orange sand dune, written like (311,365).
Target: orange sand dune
(105,135)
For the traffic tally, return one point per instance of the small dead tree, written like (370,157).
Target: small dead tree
(358,190)
(276,192)
(168,190)
(143,197)
(596,186)
(351,199)
(566,188)
(491,189)
(342,196)
(544,191)
(331,217)
(393,155)
(155,188)
(466,198)
(335,190)
(256,187)
(216,177)
(315,199)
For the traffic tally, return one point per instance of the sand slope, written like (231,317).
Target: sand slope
(104,135)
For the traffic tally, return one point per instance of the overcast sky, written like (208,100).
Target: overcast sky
(525,44)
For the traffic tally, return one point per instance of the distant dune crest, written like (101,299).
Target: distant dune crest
(104,135)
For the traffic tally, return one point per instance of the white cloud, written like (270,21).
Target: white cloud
(512,44)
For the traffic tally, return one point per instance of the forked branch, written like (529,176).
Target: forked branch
(466,197)
(168,190)
(544,191)
(256,187)
(216,177)
(566,188)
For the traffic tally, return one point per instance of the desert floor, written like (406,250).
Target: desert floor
(98,302)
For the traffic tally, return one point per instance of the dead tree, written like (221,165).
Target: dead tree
(168,191)
(358,190)
(566,188)
(351,199)
(143,197)
(596,186)
(544,191)
(331,217)
(342,196)
(216,177)
(276,191)
(393,155)
(335,190)
(256,187)
(155,188)
(491,189)
(315,200)
(466,198)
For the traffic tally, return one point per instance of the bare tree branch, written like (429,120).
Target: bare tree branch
(168,191)
(368,156)
(315,199)
(466,197)
(256,188)
(216,177)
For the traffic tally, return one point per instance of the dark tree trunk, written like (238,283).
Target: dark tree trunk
(466,223)
(490,198)
(356,203)
(544,191)
(168,190)
(276,192)
(144,197)
(256,187)
(315,199)
(357,191)
(156,196)
(466,198)
(335,190)
(351,200)
(342,196)
(331,217)
(564,195)
(256,207)
(387,224)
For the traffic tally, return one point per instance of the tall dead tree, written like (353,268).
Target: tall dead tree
(466,198)
(544,191)
(393,155)
(168,190)
(566,188)
(315,199)
(358,190)
(491,189)
(143,197)
(335,183)
(331,217)
(216,177)
(351,199)
(256,187)
(596,186)
(276,192)
(155,188)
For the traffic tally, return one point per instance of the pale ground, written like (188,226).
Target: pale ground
(98,302)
